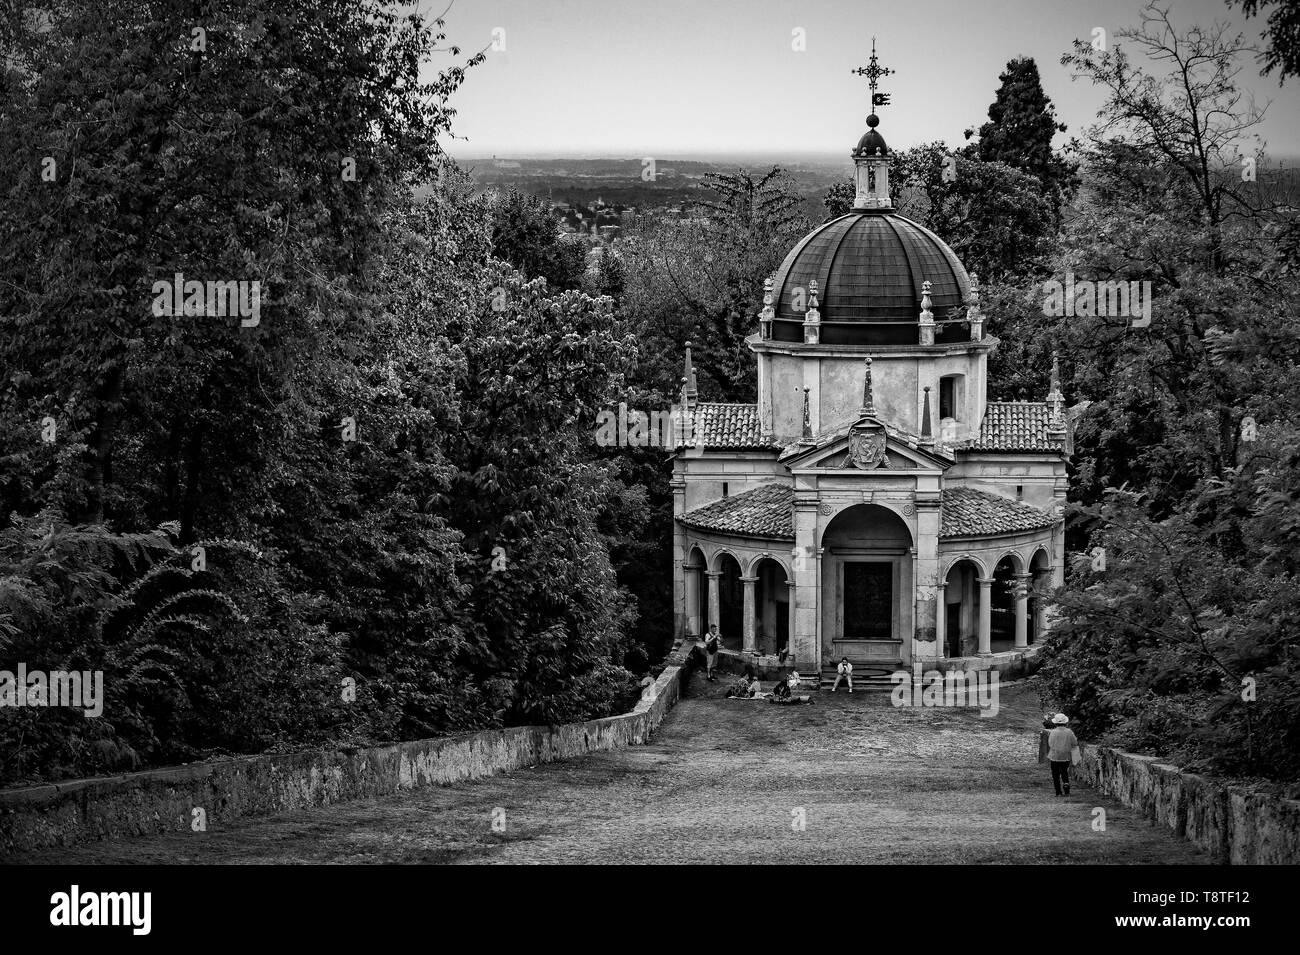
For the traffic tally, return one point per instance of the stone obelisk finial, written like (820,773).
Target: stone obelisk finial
(927,433)
(807,421)
(868,403)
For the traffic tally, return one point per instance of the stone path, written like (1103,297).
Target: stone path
(725,781)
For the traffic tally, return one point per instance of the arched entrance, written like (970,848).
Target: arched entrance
(867,588)
(731,602)
(771,606)
(1002,623)
(961,600)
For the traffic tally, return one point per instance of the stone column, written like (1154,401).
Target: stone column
(714,613)
(1022,610)
(929,593)
(693,621)
(790,642)
(681,623)
(748,629)
(940,623)
(803,639)
(1040,622)
(986,615)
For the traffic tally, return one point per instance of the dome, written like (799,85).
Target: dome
(869,266)
(872,143)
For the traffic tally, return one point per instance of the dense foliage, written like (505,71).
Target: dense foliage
(378,501)
(1184,645)
(378,509)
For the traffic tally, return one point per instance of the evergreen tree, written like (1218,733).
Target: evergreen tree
(1020,128)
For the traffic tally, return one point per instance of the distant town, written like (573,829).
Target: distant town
(603,197)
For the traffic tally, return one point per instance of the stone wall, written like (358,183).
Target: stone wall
(164,800)
(1234,826)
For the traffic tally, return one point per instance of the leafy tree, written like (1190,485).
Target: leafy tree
(1283,31)
(404,403)
(1187,451)
(524,234)
(701,278)
(547,617)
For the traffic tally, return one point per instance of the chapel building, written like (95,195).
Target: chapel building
(871,502)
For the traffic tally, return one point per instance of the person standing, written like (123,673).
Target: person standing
(1061,745)
(844,671)
(711,645)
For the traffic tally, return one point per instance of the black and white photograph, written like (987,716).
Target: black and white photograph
(853,433)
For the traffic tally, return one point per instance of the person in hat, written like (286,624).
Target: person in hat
(1061,744)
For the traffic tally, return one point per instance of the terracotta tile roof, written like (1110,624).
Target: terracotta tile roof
(764,511)
(768,511)
(734,426)
(1015,426)
(966,511)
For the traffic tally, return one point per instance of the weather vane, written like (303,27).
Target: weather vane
(873,72)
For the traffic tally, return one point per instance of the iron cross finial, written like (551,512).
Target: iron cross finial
(873,72)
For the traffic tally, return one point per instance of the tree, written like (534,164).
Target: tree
(1021,125)
(402,403)
(1184,643)
(1283,32)
(524,234)
(701,278)
(993,216)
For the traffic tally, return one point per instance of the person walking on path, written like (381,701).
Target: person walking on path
(1061,748)
(843,672)
(711,652)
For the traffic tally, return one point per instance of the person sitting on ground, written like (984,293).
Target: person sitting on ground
(784,691)
(843,672)
(744,687)
(780,691)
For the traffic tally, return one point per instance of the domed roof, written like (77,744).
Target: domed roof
(871,143)
(869,266)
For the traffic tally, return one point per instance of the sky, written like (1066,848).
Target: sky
(685,78)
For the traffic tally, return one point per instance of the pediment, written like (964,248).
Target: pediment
(870,449)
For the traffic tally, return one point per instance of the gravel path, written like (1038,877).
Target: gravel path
(726,781)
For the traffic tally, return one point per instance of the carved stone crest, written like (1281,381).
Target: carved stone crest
(826,509)
(867,451)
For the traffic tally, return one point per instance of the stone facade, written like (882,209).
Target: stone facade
(872,502)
